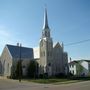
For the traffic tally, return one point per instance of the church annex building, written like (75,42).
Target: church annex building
(51,58)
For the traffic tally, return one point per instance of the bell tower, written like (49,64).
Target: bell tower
(46,48)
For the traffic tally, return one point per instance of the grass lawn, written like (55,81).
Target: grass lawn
(53,81)
(47,81)
(67,82)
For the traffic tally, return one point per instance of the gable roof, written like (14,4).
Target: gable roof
(83,60)
(15,51)
(78,61)
(87,60)
(73,62)
(56,44)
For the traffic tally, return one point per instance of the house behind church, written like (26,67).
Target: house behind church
(80,67)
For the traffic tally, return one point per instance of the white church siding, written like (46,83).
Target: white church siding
(65,62)
(36,52)
(6,61)
(52,58)
(58,59)
(11,55)
(0,67)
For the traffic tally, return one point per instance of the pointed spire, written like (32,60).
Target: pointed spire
(45,25)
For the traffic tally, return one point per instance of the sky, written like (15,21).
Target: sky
(21,21)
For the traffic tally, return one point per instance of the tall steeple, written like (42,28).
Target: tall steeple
(45,25)
(46,30)
(46,48)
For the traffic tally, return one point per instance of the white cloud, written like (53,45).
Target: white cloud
(4,33)
(8,36)
(5,37)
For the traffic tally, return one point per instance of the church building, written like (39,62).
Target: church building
(51,57)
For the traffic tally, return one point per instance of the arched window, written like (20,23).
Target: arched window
(3,66)
(43,53)
(46,33)
(0,67)
(7,67)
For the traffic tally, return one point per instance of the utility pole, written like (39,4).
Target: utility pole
(20,64)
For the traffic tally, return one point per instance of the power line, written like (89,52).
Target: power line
(74,43)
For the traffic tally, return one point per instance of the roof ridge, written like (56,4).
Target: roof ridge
(18,46)
(25,51)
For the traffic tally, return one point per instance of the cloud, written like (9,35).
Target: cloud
(8,36)
(4,33)
(5,37)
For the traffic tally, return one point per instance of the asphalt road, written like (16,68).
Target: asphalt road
(6,84)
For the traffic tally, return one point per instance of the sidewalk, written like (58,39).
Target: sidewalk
(3,77)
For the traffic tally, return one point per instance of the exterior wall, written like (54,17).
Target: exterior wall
(36,52)
(46,50)
(8,64)
(25,63)
(53,59)
(65,62)
(81,68)
(72,69)
(43,58)
(85,68)
(89,68)
(0,67)
(58,60)
(38,61)
(6,61)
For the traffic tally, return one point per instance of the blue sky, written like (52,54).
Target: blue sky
(69,21)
